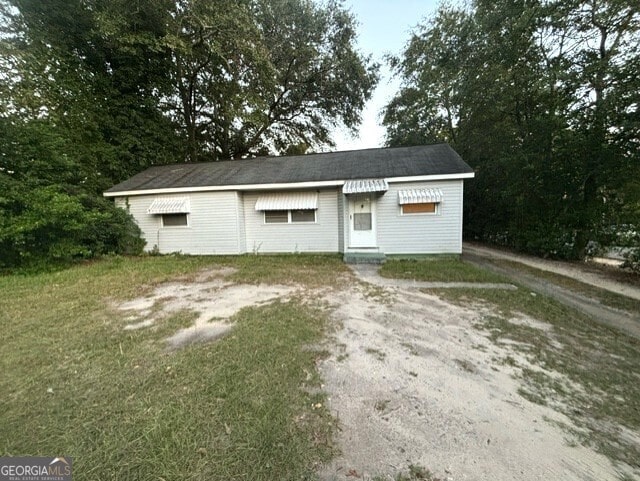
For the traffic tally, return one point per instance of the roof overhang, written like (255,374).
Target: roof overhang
(279,186)
(365,186)
(419,196)
(171,205)
(288,201)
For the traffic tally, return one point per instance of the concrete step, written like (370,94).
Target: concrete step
(364,258)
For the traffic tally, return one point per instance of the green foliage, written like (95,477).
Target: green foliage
(632,260)
(541,100)
(260,76)
(47,224)
(92,92)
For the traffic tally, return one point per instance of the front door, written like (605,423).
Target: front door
(362,222)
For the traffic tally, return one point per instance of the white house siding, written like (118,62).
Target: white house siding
(439,233)
(341,222)
(242,234)
(321,236)
(213,224)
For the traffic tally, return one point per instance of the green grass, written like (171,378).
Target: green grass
(305,269)
(603,296)
(600,388)
(438,270)
(244,407)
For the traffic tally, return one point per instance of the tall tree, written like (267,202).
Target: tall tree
(93,71)
(259,76)
(539,98)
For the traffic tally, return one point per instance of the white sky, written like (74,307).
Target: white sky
(384,27)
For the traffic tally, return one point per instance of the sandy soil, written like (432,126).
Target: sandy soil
(573,270)
(411,381)
(210,295)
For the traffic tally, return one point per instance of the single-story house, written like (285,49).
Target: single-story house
(405,200)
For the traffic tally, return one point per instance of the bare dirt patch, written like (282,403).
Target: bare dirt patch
(209,294)
(414,381)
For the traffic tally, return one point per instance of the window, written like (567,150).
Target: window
(174,220)
(289,216)
(306,215)
(421,208)
(276,216)
(362,221)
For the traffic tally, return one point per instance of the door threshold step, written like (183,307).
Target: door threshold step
(364,258)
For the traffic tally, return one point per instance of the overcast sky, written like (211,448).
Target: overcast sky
(385,26)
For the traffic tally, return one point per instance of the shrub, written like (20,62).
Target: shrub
(46,224)
(632,260)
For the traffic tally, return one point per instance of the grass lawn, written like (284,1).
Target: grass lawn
(438,270)
(75,383)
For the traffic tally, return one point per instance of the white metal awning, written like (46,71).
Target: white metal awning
(288,201)
(171,205)
(364,186)
(419,196)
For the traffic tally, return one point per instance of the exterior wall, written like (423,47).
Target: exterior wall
(226,222)
(342,221)
(212,229)
(242,232)
(439,233)
(321,236)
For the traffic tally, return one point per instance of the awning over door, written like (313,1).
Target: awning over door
(288,201)
(365,186)
(419,196)
(171,205)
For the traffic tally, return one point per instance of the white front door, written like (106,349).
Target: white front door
(362,221)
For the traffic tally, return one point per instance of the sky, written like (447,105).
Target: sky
(384,28)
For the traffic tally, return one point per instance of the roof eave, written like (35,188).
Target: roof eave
(279,186)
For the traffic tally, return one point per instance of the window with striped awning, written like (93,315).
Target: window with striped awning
(419,196)
(170,205)
(288,201)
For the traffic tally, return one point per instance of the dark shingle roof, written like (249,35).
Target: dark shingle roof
(439,159)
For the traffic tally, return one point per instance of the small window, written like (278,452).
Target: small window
(362,221)
(174,220)
(306,215)
(276,216)
(422,208)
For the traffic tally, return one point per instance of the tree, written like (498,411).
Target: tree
(540,99)
(258,76)
(94,91)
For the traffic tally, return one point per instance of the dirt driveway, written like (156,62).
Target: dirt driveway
(413,381)
(626,321)
(576,271)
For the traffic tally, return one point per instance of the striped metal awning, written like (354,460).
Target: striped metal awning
(288,201)
(419,196)
(170,205)
(364,186)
